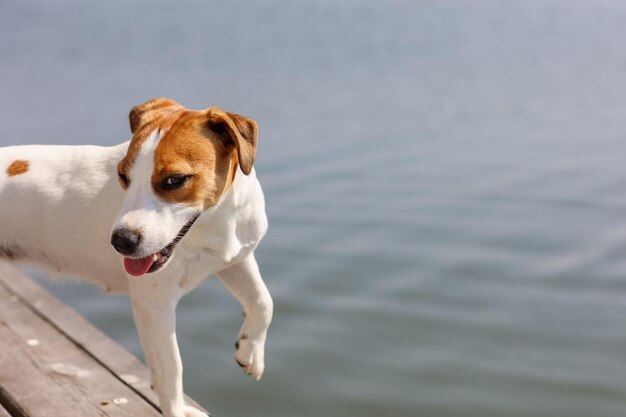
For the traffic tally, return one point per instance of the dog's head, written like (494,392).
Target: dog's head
(179,163)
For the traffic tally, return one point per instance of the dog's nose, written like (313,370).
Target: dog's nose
(125,241)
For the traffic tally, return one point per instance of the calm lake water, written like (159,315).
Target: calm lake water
(445,180)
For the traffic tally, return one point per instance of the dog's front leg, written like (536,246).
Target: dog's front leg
(244,281)
(154,310)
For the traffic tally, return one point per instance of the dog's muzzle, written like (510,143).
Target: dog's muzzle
(127,242)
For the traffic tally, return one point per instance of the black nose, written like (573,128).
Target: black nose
(125,241)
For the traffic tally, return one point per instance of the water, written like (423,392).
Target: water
(444,180)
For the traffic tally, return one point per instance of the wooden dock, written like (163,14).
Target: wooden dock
(53,363)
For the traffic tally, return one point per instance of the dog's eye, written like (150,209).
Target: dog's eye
(174,181)
(123,179)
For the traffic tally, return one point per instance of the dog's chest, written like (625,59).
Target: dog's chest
(204,254)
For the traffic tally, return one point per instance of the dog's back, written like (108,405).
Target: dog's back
(76,186)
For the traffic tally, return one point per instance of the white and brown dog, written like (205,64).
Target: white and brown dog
(152,218)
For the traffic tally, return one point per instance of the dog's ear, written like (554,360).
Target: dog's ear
(149,111)
(240,130)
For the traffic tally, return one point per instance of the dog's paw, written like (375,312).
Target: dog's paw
(190,411)
(249,356)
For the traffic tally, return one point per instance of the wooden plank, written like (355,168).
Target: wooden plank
(44,374)
(103,349)
(74,326)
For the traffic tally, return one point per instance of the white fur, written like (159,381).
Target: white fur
(159,222)
(60,215)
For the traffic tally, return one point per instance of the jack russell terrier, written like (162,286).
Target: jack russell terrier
(152,218)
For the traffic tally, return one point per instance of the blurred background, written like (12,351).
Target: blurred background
(445,181)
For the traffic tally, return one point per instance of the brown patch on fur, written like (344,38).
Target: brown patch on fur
(206,145)
(150,111)
(243,132)
(17,168)
(159,113)
(191,148)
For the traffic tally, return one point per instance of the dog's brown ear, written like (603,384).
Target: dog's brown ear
(242,131)
(149,111)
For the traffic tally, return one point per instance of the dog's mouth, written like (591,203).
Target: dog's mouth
(156,261)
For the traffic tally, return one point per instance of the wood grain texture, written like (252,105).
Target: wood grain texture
(46,375)
(41,378)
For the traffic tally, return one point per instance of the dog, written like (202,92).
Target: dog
(152,218)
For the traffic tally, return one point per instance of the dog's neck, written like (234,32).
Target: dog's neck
(233,171)
(228,228)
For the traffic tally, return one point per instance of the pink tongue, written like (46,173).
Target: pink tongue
(137,267)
